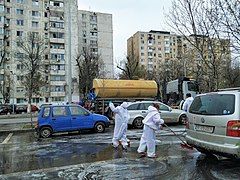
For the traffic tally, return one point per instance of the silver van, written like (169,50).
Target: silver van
(214,123)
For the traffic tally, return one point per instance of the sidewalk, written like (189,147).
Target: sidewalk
(16,123)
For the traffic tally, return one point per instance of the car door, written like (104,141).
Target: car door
(143,108)
(61,119)
(166,113)
(80,118)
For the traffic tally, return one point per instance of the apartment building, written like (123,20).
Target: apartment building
(153,48)
(96,33)
(58,22)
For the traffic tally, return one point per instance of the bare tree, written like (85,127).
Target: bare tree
(89,66)
(196,21)
(33,49)
(132,69)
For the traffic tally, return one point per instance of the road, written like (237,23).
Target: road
(90,156)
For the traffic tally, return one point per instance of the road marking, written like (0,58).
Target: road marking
(7,138)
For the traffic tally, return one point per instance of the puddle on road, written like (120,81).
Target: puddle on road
(37,156)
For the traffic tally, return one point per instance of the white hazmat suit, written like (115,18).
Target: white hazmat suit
(152,122)
(121,120)
(187,103)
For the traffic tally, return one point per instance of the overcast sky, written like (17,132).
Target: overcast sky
(129,16)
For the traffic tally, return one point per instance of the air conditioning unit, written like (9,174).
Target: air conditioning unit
(6,36)
(47,8)
(46,71)
(7,59)
(46,28)
(6,25)
(58,60)
(61,18)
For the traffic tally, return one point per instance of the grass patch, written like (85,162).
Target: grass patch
(28,126)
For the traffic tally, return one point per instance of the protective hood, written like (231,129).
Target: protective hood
(152,109)
(124,105)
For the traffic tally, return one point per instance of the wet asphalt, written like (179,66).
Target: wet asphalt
(88,155)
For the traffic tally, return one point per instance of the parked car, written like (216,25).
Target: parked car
(138,111)
(23,109)
(58,118)
(214,123)
(5,109)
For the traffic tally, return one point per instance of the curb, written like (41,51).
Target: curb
(16,131)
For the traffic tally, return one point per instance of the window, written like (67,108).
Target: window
(163,107)
(93,18)
(57,25)
(19,11)
(58,99)
(213,104)
(57,35)
(20,66)
(35,24)
(56,3)
(84,16)
(57,78)
(76,110)
(20,89)
(1,30)
(35,2)
(19,33)
(57,56)
(1,19)
(8,10)
(94,34)
(57,88)
(46,112)
(20,22)
(59,111)
(35,13)
(20,1)
(1,8)
(84,24)
(20,100)
(20,78)
(133,107)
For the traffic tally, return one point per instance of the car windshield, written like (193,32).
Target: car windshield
(213,104)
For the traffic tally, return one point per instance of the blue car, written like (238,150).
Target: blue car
(63,118)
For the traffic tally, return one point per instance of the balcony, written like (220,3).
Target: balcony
(57,83)
(56,94)
(57,72)
(56,40)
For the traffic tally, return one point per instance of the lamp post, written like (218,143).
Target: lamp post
(184,60)
(13,91)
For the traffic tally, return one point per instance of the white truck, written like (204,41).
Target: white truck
(178,88)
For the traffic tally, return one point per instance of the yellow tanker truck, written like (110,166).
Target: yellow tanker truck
(110,88)
(118,91)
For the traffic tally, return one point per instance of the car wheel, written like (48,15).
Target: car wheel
(45,132)
(99,127)
(182,119)
(137,123)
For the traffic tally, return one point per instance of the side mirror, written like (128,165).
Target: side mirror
(170,109)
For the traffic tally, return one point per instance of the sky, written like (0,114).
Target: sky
(130,16)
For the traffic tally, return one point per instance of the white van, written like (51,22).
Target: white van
(214,123)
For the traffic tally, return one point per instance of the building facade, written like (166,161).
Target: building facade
(96,33)
(57,22)
(153,48)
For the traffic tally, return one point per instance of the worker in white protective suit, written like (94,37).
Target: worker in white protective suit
(187,102)
(121,120)
(152,122)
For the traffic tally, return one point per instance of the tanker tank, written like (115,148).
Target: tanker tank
(109,88)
